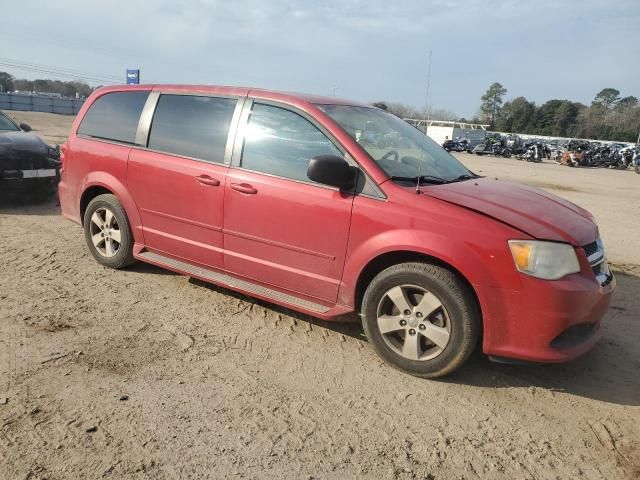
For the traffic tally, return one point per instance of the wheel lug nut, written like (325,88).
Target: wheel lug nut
(422,326)
(407,312)
(403,322)
(418,314)
(412,332)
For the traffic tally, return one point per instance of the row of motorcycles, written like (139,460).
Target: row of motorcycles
(575,153)
(595,154)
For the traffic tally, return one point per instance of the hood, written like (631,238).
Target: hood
(20,150)
(21,141)
(539,214)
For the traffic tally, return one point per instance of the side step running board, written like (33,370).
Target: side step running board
(232,282)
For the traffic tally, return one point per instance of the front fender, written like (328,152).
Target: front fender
(483,262)
(111,183)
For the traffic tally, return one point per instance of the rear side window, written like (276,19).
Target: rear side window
(281,142)
(114,116)
(192,126)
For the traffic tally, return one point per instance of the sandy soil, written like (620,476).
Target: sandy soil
(146,374)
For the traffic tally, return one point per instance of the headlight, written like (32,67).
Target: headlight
(546,260)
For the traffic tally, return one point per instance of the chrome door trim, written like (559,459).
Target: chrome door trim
(144,123)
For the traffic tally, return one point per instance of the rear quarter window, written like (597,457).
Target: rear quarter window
(114,116)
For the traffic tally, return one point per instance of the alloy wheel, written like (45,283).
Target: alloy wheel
(105,232)
(413,322)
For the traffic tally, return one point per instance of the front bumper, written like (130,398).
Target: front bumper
(546,321)
(29,180)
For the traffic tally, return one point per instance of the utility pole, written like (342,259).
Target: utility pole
(333,90)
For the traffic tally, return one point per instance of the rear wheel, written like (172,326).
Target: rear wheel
(108,233)
(421,318)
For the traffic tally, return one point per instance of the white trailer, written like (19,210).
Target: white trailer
(441,130)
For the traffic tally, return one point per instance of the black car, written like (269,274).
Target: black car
(27,164)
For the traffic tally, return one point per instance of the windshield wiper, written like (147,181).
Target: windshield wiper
(461,178)
(423,179)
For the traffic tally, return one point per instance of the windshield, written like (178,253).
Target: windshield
(399,149)
(6,124)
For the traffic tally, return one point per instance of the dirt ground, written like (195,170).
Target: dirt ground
(145,374)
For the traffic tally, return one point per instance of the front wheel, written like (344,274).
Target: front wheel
(108,233)
(637,169)
(420,318)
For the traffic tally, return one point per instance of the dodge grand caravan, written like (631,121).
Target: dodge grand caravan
(329,207)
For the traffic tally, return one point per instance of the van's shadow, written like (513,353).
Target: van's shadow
(348,325)
(608,373)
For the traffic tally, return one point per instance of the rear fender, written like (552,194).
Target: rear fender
(111,183)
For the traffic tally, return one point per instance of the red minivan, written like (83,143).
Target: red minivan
(329,207)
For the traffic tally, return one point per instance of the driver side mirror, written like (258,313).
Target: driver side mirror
(331,170)
(25,127)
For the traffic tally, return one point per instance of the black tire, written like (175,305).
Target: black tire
(454,295)
(123,257)
(637,169)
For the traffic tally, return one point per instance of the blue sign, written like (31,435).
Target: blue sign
(133,77)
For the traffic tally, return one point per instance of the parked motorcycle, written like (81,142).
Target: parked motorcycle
(457,145)
(610,156)
(575,153)
(493,145)
(534,152)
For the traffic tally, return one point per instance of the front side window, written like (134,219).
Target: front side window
(400,149)
(114,116)
(192,126)
(281,142)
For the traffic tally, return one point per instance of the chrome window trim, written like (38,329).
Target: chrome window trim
(107,140)
(313,184)
(144,122)
(233,130)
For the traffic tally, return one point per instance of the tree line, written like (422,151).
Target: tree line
(406,111)
(8,83)
(609,117)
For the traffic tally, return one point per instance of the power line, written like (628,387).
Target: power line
(60,72)
(59,68)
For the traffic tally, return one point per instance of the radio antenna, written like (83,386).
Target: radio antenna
(426,112)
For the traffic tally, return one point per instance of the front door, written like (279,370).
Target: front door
(178,181)
(280,228)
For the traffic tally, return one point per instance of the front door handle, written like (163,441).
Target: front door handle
(207,180)
(244,188)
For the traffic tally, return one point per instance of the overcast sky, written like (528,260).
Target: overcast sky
(369,49)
